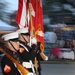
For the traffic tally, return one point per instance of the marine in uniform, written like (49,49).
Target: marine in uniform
(39,55)
(26,52)
(29,53)
(12,44)
(8,67)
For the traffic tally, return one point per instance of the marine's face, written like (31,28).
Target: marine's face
(15,45)
(27,37)
(24,38)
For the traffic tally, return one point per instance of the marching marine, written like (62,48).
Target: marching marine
(8,67)
(26,52)
(39,55)
(11,42)
(30,53)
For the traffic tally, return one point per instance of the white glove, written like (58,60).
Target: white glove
(30,73)
(33,41)
(46,58)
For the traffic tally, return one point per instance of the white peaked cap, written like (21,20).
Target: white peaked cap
(33,41)
(23,30)
(9,36)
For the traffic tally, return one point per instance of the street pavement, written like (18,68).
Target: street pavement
(58,69)
(0,71)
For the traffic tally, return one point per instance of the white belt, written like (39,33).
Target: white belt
(29,65)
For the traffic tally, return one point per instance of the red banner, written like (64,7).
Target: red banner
(22,16)
(37,21)
(30,15)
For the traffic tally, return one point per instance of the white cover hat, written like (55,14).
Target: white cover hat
(23,30)
(9,36)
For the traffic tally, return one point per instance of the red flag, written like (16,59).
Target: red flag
(22,16)
(37,21)
(30,15)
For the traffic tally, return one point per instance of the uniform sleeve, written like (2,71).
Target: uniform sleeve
(8,67)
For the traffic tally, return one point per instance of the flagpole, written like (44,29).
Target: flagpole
(31,23)
(32,33)
(33,36)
